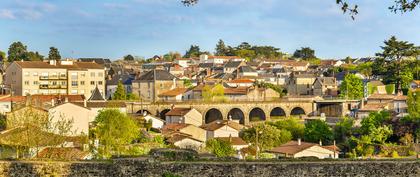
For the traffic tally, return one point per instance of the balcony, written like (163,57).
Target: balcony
(44,86)
(52,78)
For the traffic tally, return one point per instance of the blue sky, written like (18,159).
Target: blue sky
(113,28)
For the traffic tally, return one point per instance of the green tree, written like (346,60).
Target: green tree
(132,96)
(215,93)
(17,51)
(187,83)
(114,130)
(365,69)
(373,121)
(194,51)
(129,58)
(380,134)
(351,87)
(221,49)
(171,56)
(293,125)
(119,94)
(316,130)
(220,148)
(247,54)
(343,129)
(2,56)
(54,54)
(35,56)
(304,53)
(413,102)
(268,136)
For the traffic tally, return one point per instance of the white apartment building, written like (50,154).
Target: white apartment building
(55,77)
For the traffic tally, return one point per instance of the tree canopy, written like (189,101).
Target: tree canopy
(129,57)
(269,136)
(220,148)
(318,130)
(120,93)
(304,53)
(54,54)
(352,87)
(17,51)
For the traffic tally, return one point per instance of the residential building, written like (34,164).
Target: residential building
(185,141)
(176,94)
(219,59)
(195,132)
(156,122)
(112,84)
(325,86)
(298,149)
(184,116)
(236,142)
(246,72)
(231,66)
(415,84)
(79,116)
(300,84)
(55,77)
(222,128)
(155,82)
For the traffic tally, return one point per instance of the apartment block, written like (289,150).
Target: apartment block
(55,77)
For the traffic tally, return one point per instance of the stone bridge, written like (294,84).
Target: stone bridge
(244,111)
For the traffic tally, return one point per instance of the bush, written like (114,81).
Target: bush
(170,174)
(395,154)
(412,153)
(220,148)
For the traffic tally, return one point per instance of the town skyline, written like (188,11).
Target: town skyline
(109,29)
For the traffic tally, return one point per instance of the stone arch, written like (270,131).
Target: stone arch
(141,111)
(297,111)
(257,114)
(163,112)
(213,114)
(277,112)
(237,114)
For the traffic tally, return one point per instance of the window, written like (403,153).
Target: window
(26,73)
(82,82)
(35,74)
(54,83)
(92,74)
(73,76)
(63,83)
(99,82)
(62,75)
(92,82)
(73,91)
(74,83)
(82,74)
(100,74)
(35,83)
(26,82)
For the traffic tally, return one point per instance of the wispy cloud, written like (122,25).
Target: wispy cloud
(7,14)
(27,10)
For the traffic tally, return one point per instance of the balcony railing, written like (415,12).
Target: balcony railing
(52,86)
(52,78)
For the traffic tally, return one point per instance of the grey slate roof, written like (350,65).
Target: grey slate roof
(96,95)
(205,65)
(160,75)
(126,79)
(233,64)
(327,80)
(243,69)
(96,60)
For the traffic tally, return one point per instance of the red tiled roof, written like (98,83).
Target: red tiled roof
(236,141)
(63,153)
(292,147)
(172,127)
(236,91)
(374,107)
(242,81)
(381,96)
(178,112)
(224,57)
(75,65)
(212,126)
(174,92)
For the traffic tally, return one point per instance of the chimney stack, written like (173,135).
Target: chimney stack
(299,142)
(52,102)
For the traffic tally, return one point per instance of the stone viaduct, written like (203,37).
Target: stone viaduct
(244,111)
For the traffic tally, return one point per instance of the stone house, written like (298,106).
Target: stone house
(298,149)
(184,116)
(176,94)
(231,66)
(185,141)
(195,132)
(156,122)
(246,72)
(222,128)
(152,83)
(325,86)
(240,83)
(300,84)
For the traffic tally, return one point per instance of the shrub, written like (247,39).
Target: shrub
(220,148)
(395,154)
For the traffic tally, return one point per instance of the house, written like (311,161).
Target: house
(195,132)
(222,128)
(295,65)
(176,94)
(300,84)
(153,83)
(231,66)
(156,122)
(325,86)
(183,62)
(415,84)
(366,109)
(176,70)
(79,116)
(240,83)
(66,77)
(219,59)
(112,84)
(184,116)
(298,149)
(236,142)
(185,141)
(376,87)
(246,72)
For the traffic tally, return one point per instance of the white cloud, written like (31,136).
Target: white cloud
(7,14)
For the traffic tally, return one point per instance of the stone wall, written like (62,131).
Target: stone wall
(141,167)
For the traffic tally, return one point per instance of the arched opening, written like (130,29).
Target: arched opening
(162,113)
(236,114)
(297,111)
(213,115)
(143,111)
(277,113)
(256,114)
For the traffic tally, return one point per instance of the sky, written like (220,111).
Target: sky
(114,28)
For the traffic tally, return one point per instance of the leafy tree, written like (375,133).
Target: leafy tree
(129,58)
(351,87)
(392,55)
(119,94)
(293,125)
(2,56)
(304,53)
(114,130)
(343,129)
(221,49)
(187,83)
(316,130)
(35,56)
(194,51)
(269,136)
(406,78)
(171,56)
(413,102)
(132,96)
(17,51)
(365,69)
(245,53)
(215,93)
(54,54)
(380,134)
(220,148)
(373,121)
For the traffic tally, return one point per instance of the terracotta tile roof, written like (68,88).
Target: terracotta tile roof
(374,107)
(293,63)
(381,97)
(236,91)
(75,65)
(400,97)
(13,99)
(173,127)
(63,153)
(179,137)
(212,126)
(174,92)
(104,104)
(242,81)
(292,147)
(236,141)
(224,57)
(178,112)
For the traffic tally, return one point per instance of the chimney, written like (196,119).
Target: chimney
(320,142)
(299,142)
(84,103)
(52,102)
